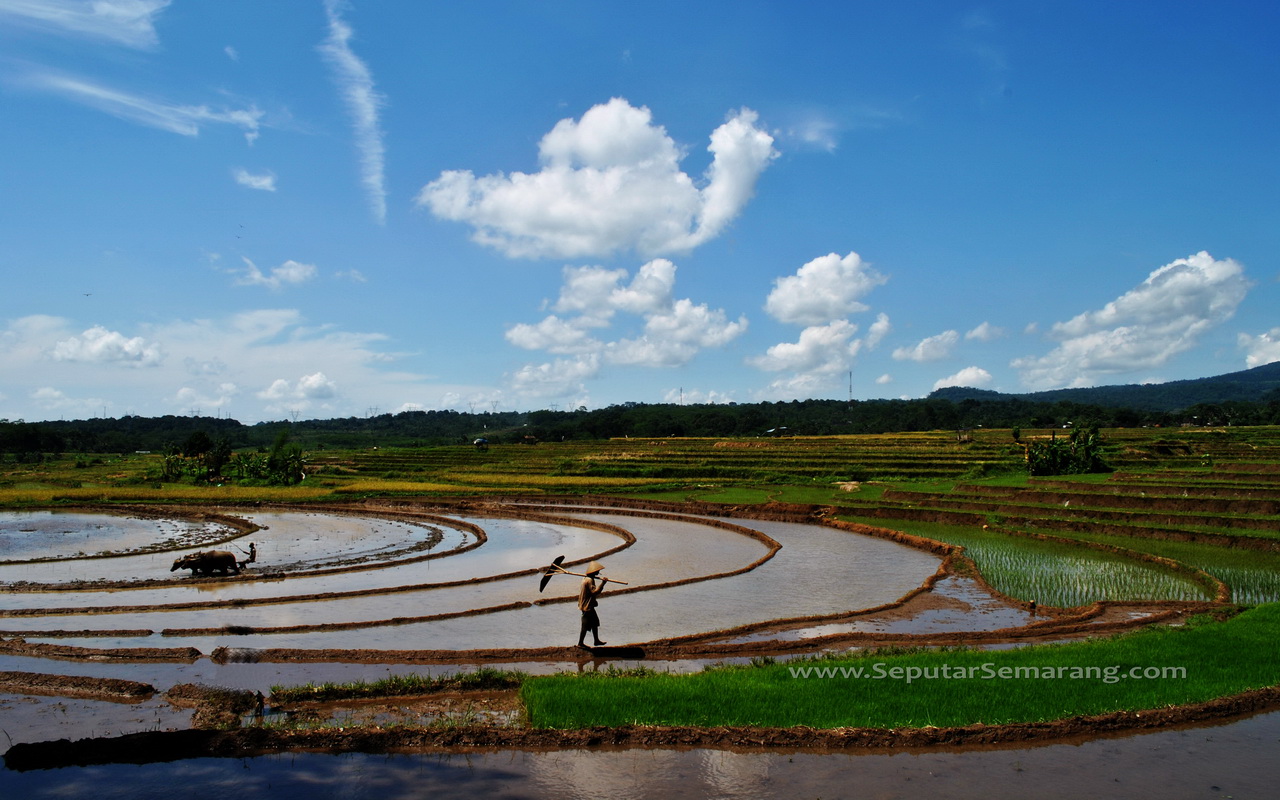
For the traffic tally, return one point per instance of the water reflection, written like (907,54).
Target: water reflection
(1231,760)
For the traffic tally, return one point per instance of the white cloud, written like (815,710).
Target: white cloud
(203,363)
(290,272)
(283,395)
(554,335)
(674,331)
(884,379)
(180,119)
(364,102)
(609,182)
(204,400)
(672,334)
(1261,349)
(127,22)
(558,378)
(675,335)
(232,53)
(933,348)
(815,130)
(828,287)
(986,332)
(696,397)
(102,346)
(1163,316)
(265,182)
(976,377)
(878,330)
(52,400)
(820,350)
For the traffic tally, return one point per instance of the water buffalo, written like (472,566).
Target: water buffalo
(206,562)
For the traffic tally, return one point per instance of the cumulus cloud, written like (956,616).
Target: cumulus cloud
(553,334)
(820,350)
(609,182)
(284,395)
(976,377)
(99,345)
(364,103)
(289,273)
(186,120)
(1261,349)
(673,331)
(673,336)
(1163,316)
(820,295)
(265,182)
(126,22)
(933,348)
(827,288)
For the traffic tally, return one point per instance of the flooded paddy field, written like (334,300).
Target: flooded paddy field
(354,594)
(1222,761)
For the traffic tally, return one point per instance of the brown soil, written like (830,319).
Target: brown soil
(169,746)
(110,689)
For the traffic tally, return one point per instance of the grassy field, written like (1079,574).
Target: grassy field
(1150,669)
(1206,498)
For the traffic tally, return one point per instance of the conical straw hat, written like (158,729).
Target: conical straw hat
(594,566)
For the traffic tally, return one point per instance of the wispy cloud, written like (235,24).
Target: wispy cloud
(127,22)
(355,81)
(265,182)
(180,119)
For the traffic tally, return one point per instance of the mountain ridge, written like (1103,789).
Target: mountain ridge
(1249,385)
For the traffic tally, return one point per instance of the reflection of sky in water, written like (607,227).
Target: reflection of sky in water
(1235,759)
(293,539)
(512,545)
(967,607)
(818,571)
(62,534)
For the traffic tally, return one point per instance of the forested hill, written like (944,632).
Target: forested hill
(1259,384)
(24,440)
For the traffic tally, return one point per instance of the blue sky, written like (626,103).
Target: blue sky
(322,209)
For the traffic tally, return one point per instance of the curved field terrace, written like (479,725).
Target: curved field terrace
(97,634)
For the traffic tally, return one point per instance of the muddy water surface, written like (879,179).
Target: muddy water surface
(1231,760)
(27,535)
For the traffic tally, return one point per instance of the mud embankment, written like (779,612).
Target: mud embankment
(150,747)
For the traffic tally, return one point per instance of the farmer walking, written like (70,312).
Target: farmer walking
(587,604)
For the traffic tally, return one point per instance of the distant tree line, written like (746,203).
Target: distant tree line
(219,438)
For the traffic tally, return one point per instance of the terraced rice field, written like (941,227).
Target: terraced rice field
(430,556)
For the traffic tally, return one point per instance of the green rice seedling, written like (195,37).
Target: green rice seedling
(1252,575)
(1149,669)
(1057,574)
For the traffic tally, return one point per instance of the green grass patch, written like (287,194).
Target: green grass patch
(1154,668)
